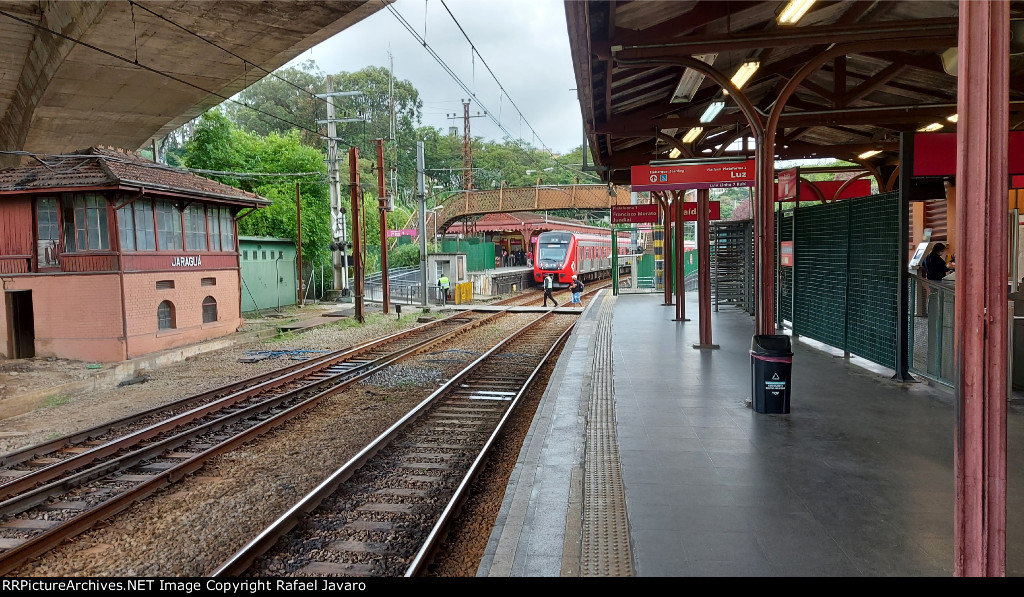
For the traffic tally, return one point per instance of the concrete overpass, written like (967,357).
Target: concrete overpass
(81,73)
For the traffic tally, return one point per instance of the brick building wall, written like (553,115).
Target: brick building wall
(143,297)
(75,316)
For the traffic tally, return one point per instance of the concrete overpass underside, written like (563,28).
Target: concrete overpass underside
(81,73)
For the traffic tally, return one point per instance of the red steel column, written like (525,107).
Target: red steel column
(385,282)
(764,233)
(678,258)
(704,268)
(666,248)
(979,545)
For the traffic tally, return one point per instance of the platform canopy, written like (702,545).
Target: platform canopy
(896,74)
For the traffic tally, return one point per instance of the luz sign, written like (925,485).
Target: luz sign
(715,175)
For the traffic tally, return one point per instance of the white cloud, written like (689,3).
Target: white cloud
(524,42)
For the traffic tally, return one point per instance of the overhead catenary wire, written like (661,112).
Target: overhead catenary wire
(517,141)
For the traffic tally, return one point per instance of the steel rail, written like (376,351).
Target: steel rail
(293,375)
(245,557)
(42,543)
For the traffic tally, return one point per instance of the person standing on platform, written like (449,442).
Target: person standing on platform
(443,284)
(935,266)
(504,257)
(549,285)
(576,289)
(529,257)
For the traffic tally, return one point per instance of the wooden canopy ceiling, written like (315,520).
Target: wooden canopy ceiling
(628,57)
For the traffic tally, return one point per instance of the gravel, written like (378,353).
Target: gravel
(190,528)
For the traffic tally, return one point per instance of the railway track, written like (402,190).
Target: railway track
(72,487)
(386,510)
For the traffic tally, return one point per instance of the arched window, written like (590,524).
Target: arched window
(209,309)
(165,316)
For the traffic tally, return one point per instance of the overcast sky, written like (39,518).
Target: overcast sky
(524,42)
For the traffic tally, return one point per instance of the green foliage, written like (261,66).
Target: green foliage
(404,256)
(218,145)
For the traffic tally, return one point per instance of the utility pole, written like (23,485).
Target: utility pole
(339,256)
(383,207)
(467,147)
(357,252)
(298,230)
(421,195)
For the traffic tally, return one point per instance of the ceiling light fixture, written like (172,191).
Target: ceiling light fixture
(929,128)
(953,118)
(713,109)
(691,80)
(743,74)
(692,134)
(868,154)
(674,153)
(794,11)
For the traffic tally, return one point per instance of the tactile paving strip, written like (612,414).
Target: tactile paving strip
(605,550)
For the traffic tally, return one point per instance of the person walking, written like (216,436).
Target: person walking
(576,288)
(549,285)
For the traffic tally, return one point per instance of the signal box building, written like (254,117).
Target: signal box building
(106,256)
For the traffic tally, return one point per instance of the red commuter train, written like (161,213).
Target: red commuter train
(562,254)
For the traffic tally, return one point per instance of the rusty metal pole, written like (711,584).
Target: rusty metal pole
(666,249)
(357,237)
(385,286)
(679,254)
(298,230)
(764,231)
(704,268)
(980,332)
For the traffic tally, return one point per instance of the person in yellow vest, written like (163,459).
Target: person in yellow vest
(443,285)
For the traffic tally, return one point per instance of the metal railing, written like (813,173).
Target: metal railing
(931,329)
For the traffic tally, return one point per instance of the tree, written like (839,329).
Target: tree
(218,145)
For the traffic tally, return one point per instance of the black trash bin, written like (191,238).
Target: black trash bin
(771,365)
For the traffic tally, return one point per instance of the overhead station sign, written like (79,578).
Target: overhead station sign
(630,214)
(716,175)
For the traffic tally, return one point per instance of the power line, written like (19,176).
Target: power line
(495,77)
(222,48)
(423,42)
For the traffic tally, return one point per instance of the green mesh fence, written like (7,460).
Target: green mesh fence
(479,255)
(845,273)
(874,278)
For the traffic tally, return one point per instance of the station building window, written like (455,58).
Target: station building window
(48,228)
(195,228)
(168,226)
(84,219)
(209,310)
(165,316)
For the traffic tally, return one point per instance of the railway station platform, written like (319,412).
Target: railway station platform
(645,459)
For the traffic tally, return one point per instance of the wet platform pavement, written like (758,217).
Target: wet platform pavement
(646,459)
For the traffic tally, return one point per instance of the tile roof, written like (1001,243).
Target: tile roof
(105,167)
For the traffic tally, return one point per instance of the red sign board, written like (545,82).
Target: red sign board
(629,214)
(935,154)
(403,232)
(828,189)
(789,182)
(690,211)
(786,253)
(693,176)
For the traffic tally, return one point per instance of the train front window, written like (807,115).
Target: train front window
(552,252)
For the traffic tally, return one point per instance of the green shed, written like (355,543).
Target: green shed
(269,277)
